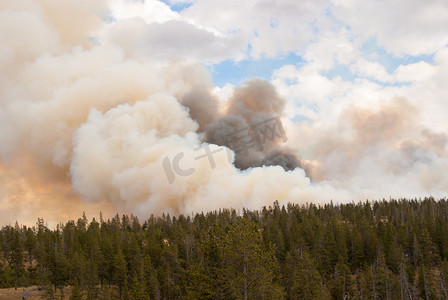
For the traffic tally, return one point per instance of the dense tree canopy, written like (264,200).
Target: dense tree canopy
(395,249)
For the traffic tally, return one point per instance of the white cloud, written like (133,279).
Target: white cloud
(270,29)
(401,26)
(414,72)
(273,27)
(150,11)
(370,69)
(172,40)
(404,73)
(223,93)
(331,48)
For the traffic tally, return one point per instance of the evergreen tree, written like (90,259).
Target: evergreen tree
(16,259)
(393,249)
(49,293)
(76,292)
(306,282)
(250,270)
(136,292)
(150,282)
(120,273)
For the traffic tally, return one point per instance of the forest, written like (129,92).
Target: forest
(389,249)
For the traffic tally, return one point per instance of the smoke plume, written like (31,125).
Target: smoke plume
(87,126)
(255,104)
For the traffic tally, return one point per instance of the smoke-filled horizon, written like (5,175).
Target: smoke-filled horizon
(98,98)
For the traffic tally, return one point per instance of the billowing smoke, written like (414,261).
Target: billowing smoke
(86,125)
(249,124)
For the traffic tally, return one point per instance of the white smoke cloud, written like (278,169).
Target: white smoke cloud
(94,99)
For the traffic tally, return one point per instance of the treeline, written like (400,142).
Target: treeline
(395,249)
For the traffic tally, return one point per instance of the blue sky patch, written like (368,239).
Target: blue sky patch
(178,7)
(237,73)
(372,51)
(342,71)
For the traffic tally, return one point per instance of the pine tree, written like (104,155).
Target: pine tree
(150,283)
(207,278)
(341,286)
(387,250)
(124,292)
(250,270)
(16,259)
(76,292)
(49,293)
(136,291)
(105,293)
(120,273)
(307,282)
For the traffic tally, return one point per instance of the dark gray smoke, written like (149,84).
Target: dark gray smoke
(203,106)
(249,125)
(285,158)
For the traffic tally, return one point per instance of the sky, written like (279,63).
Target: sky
(95,95)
